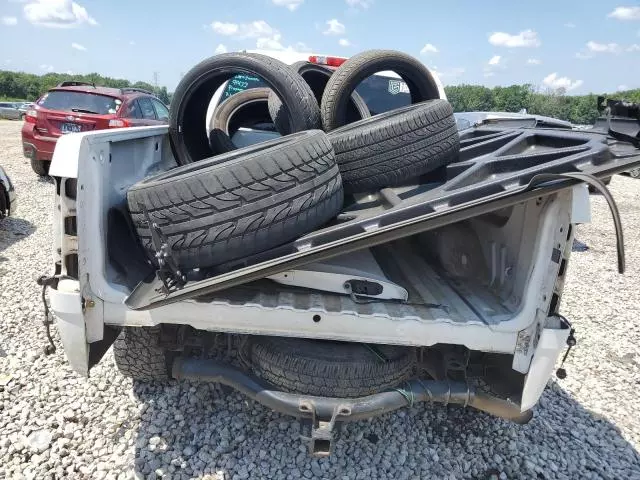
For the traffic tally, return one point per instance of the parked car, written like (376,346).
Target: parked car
(74,107)
(24,107)
(10,111)
(442,286)
(8,199)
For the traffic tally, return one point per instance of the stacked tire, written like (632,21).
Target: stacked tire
(224,204)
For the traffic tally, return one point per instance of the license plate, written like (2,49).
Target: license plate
(70,128)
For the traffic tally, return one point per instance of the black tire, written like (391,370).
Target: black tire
(316,77)
(189,137)
(138,355)
(23,116)
(242,109)
(4,202)
(242,202)
(634,173)
(41,167)
(330,369)
(422,85)
(396,146)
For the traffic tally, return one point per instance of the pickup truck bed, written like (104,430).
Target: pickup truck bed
(481,248)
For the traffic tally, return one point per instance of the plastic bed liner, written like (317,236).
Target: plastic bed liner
(497,167)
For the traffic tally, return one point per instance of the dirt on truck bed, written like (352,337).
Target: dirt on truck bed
(56,424)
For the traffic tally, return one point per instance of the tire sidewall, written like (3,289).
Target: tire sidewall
(190,102)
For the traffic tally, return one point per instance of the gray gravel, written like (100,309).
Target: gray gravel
(56,424)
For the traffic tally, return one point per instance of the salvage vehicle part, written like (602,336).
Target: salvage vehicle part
(358,275)
(326,411)
(243,109)
(239,203)
(316,77)
(390,148)
(189,140)
(330,369)
(351,73)
(496,168)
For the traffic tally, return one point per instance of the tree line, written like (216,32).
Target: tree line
(28,86)
(579,109)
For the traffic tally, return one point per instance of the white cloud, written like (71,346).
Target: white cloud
(428,48)
(526,38)
(633,48)
(46,68)
(583,56)
(274,42)
(344,42)
(495,60)
(220,49)
(555,82)
(570,25)
(270,43)
(77,46)
(132,42)
(489,74)
(622,88)
(9,21)
(334,27)
(625,13)
(255,29)
(364,4)
(225,28)
(533,61)
(57,14)
(603,47)
(290,4)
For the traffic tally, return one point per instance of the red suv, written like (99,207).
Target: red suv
(82,107)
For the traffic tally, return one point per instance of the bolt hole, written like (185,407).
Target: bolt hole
(561,229)
(345,411)
(544,298)
(156,146)
(109,158)
(316,318)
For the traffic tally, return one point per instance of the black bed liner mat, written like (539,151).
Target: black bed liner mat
(496,168)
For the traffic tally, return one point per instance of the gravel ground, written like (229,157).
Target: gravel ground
(56,424)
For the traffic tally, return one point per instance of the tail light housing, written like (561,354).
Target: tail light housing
(31,116)
(328,61)
(119,123)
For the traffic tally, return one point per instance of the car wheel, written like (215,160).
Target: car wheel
(23,116)
(330,369)
(189,140)
(422,85)
(316,77)
(635,173)
(138,355)
(241,109)
(240,203)
(41,167)
(393,147)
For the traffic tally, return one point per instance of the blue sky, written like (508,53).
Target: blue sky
(591,46)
